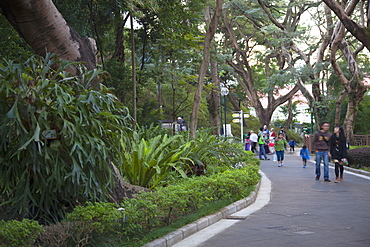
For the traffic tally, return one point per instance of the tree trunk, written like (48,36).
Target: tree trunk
(204,66)
(45,30)
(290,114)
(119,52)
(354,99)
(338,106)
(133,73)
(123,189)
(214,100)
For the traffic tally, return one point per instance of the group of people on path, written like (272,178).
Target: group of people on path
(325,144)
(265,139)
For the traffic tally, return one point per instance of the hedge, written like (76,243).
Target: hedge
(359,157)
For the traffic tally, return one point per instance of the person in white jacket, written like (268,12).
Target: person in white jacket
(254,139)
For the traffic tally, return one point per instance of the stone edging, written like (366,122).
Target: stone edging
(185,231)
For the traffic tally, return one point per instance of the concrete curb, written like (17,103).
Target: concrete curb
(185,231)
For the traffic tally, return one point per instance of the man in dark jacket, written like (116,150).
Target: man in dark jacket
(321,146)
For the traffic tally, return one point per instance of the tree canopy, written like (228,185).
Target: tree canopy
(260,45)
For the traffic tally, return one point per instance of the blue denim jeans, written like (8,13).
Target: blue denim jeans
(280,155)
(262,151)
(322,155)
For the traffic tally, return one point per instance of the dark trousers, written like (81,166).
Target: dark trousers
(338,168)
(254,147)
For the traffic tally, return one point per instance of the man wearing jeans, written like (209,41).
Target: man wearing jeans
(321,146)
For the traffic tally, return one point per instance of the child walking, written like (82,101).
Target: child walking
(305,154)
(279,148)
(291,145)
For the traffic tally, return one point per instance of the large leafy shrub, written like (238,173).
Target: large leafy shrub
(16,233)
(44,178)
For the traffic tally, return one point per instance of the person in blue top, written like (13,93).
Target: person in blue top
(292,144)
(305,154)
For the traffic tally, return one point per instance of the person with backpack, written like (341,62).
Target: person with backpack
(321,146)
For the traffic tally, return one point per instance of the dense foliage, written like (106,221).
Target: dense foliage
(43,174)
(152,157)
(16,233)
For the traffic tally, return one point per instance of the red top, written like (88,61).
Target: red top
(273,134)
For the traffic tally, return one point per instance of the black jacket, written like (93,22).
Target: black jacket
(338,147)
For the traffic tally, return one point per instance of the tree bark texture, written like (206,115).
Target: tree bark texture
(204,66)
(45,30)
(338,106)
(358,31)
(290,114)
(214,100)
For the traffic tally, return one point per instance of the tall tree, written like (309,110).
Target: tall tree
(257,28)
(353,86)
(211,30)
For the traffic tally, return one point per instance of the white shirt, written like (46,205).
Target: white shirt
(253,137)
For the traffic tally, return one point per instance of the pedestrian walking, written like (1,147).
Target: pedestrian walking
(321,145)
(254,139)
(248,144)
(279,149)
(338,151)
(272,140)
(292,144)
(262,143)
(305,154)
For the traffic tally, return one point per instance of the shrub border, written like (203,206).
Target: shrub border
(198,225)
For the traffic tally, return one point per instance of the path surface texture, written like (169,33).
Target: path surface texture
(299,211)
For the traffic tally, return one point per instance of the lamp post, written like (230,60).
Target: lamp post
(224,92)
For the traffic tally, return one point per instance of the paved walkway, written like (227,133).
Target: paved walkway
(299,211)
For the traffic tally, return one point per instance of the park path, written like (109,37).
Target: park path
(301,212)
